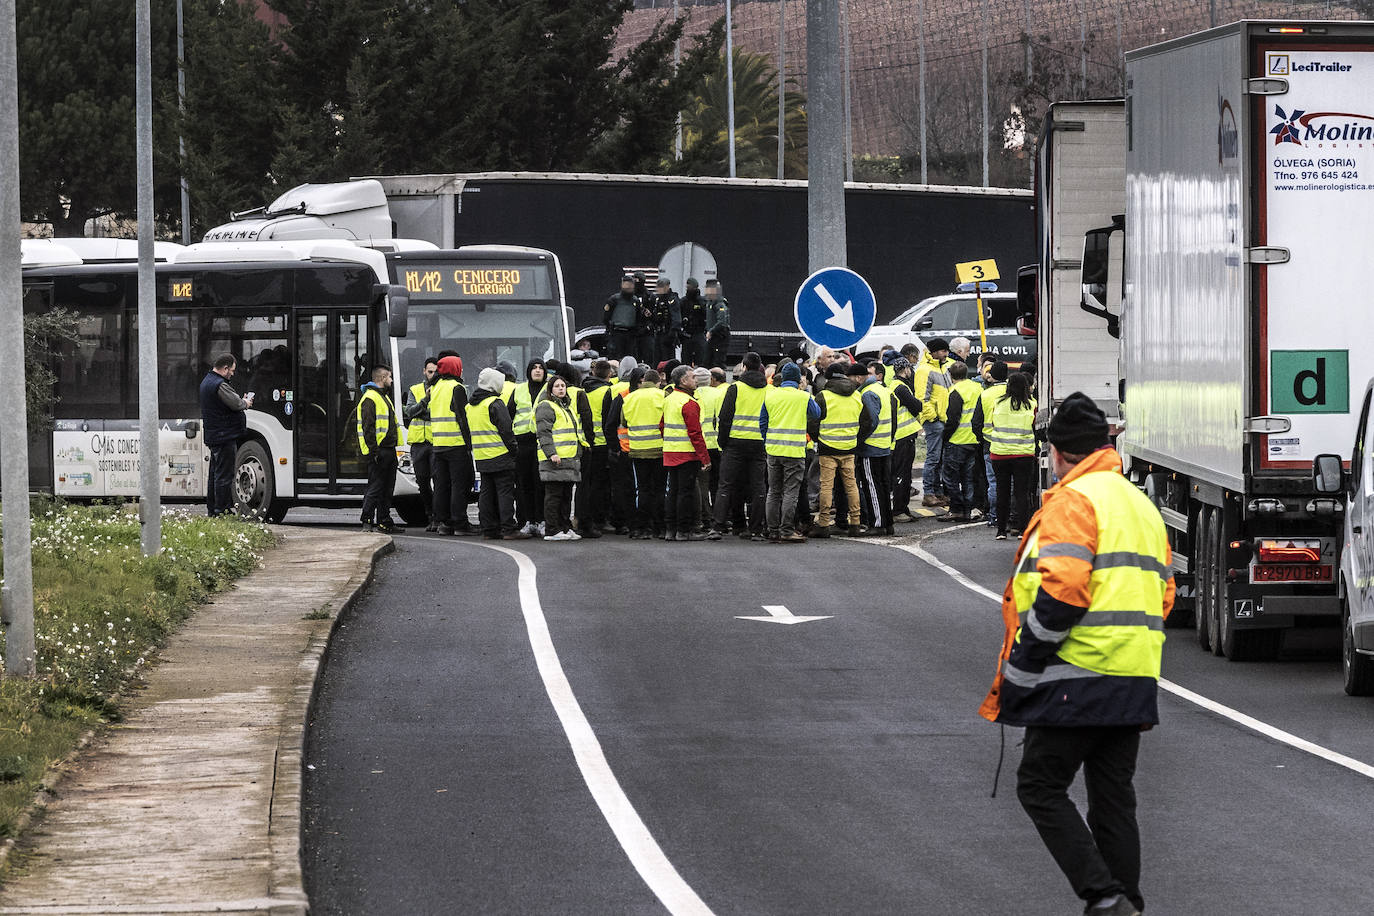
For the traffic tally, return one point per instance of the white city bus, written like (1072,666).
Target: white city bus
(307,321)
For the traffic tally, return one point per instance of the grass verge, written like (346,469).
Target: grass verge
(100,609)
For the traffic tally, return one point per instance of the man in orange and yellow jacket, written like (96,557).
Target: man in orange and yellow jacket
(1084,613)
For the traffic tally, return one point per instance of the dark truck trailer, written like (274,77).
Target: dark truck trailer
(903,239)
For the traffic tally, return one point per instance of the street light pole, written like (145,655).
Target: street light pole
(150,476)
(181,135)
(730,83)
(16,597)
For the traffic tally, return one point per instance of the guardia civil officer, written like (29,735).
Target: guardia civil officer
(222,412)
(695,312)
(1093,585)
(416,413)
(621,316)
(717,323)
(666,320)
(378,436)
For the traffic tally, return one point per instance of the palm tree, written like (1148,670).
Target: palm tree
(704,123)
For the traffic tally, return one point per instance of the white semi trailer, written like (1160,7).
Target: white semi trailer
(1250,200)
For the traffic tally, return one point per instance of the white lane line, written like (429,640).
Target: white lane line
(1183,693)
(648,859)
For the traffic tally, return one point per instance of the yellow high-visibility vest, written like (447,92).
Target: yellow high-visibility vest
(443,420)
(840,425)
(1012,431)
(486,439)
(786,433)
(881,437)
(643,412)
(417,432)
(748,406)
(675,438)
(969,390)
(385,418)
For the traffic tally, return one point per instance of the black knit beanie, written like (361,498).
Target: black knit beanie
(1078,426)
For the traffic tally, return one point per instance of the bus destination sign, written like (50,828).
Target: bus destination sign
(469,282)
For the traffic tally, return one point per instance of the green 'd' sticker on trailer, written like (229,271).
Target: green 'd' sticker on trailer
(1309,381)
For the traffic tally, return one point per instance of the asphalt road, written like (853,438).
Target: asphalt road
(833,766)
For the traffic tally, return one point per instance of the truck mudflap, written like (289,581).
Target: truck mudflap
(1272,612)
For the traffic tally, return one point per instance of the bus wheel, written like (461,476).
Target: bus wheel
(254,485)
(412,511)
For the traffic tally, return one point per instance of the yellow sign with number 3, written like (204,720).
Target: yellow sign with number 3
(977,271)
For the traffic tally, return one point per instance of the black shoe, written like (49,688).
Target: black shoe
(640,536)
(953,517)
(856,531)
(692,536)
(792,537)
(590,532)
(819,531)
(466,531)
(758,537)
(744,535)
(389,527)
(622,530)
(890,531)
(712,535)
(368,526)
(487,536)
(432,526)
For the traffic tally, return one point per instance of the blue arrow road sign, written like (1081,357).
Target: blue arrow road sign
(835,308)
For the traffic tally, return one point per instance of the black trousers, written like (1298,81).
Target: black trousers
(716,352)
(219,489)
(593,493)
(903,454)
(452,484)
(422,461)
(1015,477)
(695,351)
(1101,857)
(381,481)
(622,483)
(680,513)
(496,503)
(645,348)
(743,480)
(529,489)
(665,346)
(620,343)
(649,481)
(558,500)
(875,490)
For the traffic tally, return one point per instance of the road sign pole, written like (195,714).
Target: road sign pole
(982,325)
(16,598)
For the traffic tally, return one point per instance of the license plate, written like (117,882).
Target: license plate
(1294,572)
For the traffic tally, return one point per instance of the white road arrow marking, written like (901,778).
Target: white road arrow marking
(780,614)
(841,316)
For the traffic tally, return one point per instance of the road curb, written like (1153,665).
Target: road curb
(284,823)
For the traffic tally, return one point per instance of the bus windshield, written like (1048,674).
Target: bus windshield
(487,309)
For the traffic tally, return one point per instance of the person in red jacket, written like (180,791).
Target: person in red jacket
(684,456)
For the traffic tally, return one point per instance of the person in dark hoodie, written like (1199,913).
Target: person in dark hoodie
(844,421)
(593,493)
(529,491)
(493,450)
(378,434)
(742,466)
(694,310)
(452,454)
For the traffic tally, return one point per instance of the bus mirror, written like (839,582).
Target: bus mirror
(398,311)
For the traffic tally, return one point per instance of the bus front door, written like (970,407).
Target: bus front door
(332,363)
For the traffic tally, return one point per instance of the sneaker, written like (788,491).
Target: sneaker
(692,536)
(931,500)
(368,526)
(516,536)
(904,517)
(792,537)
(572,535)
(758,537)
(432,526)
(952,517)
(1115,905)
(539,529)
(640,536)
(560,536)
(466,531)
(389,527)
(447,531)
(744,535)
(1000,536)
(976,514)
(530,529)
(623,530)
(819,531)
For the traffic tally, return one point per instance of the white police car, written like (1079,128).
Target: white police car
(951,316)
(1357,556)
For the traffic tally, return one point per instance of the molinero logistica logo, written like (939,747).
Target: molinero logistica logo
(1303,127)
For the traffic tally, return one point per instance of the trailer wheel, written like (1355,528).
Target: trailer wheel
(1202,583)
(1358,670)
(412,511)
